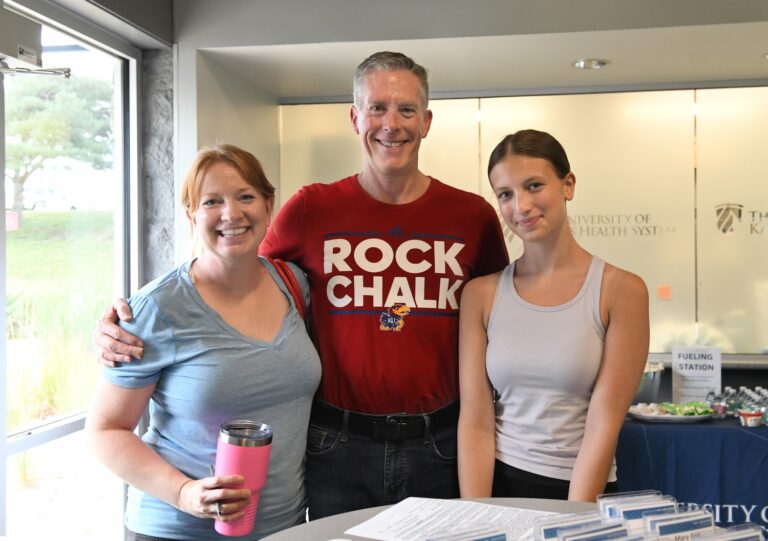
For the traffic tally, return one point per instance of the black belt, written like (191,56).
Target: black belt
(395,427)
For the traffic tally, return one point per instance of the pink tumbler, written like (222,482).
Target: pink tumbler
(243,449)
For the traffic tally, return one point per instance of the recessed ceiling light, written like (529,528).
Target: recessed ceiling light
(590,63)
(765,56)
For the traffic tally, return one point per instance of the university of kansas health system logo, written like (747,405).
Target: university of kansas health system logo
(727,216)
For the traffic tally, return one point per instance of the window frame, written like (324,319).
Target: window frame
(130,219)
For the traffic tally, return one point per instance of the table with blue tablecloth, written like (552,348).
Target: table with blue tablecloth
(716,464)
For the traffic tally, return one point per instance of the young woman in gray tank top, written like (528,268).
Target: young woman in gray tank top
(552,348)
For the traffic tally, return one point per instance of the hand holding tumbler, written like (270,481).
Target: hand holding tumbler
(243,449)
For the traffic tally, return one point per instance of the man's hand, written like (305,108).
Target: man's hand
(112,344)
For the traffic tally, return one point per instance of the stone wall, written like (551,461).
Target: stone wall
(159,199)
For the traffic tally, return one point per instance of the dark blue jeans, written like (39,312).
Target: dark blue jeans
(345,472)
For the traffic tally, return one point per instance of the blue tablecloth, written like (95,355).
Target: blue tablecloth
(715,464)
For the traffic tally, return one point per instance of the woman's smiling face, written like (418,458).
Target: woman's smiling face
(231,217)
(532,198)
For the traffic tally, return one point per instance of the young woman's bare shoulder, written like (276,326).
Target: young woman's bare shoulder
(484,282)
(481,288)
(619,284)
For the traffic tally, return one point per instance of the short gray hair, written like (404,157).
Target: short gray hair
(389,61)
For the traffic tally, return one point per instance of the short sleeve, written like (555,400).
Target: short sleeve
(285,236)
(159,346)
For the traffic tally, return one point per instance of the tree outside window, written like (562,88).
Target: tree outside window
(63,264)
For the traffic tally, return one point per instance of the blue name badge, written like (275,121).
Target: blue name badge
(693,525)
(604,533)
(642,511)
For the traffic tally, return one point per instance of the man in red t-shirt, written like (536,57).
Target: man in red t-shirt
(387,252)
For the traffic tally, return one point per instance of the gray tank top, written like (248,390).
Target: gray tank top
(543,361)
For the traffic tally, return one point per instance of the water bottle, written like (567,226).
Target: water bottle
(731,402)
(719,406)
(243,449)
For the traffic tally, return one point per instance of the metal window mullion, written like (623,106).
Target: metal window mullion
(24,441)
(3,327)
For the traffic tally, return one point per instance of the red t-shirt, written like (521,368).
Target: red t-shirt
(385,285)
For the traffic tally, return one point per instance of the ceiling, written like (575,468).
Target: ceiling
(302,51)
(647,58)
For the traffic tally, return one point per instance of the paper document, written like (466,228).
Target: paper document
(414,519)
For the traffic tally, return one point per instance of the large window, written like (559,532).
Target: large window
(64,260)
(63,198)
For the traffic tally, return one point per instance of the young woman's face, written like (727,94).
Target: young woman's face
(531,196)
(231,217)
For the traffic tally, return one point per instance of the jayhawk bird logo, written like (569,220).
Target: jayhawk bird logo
(394,318)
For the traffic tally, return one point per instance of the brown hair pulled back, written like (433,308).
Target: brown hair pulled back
(533,143)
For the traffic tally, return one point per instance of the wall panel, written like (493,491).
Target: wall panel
(317,144)
(451,150)
(732,129)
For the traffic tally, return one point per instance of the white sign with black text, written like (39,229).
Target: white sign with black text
(695,372)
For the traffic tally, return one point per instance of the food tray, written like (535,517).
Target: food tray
(669,418)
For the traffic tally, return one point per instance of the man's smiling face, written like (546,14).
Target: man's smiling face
(391,120)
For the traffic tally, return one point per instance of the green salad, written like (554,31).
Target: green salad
(689,408)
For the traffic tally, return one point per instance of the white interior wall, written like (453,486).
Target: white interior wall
(327,145)
(451,149)
(229,110)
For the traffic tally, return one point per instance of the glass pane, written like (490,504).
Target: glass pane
(58,491)
(62,189)
(732,219)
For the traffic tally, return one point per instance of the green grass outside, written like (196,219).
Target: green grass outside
(60,276)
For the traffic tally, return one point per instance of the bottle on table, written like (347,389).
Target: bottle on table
(718,404)
(731,401)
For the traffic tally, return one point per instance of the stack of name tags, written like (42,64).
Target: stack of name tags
(640,516)
(630,516)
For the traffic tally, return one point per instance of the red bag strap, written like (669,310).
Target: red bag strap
(292,284)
